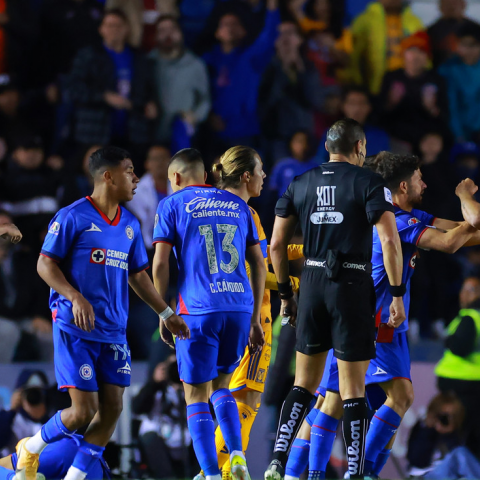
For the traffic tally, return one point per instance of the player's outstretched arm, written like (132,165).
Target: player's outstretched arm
(50,272)
(393,261)
(258,276)
(283,231)
(10,231)
(465,191)
(143,287)
(447,241)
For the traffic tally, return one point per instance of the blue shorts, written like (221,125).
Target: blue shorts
(83,364)
(57,458)
(217,343)
(392,361)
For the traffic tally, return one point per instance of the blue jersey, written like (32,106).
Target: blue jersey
(96,256)
(411,226)
(210,230)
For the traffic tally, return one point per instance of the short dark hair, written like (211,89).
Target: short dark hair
(167,17)
(118,12)
(343,135)
(355,89)
(106,157)
(188,156)
(468,29)
(393,168)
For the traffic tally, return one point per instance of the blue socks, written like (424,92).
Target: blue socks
(322,436)
(86,455)
(54,430)
(202,429)
(226,411)
(310,418)
(298,458)
(383,426)
(381,461)
(6,474)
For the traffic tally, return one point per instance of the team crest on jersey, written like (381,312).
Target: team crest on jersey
(98,256)
(129,232)
(54,228)
(86,371)
(413,221)
(156,220)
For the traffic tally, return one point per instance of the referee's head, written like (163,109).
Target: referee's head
(346,142)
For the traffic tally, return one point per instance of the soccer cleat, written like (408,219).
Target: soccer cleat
(27,463)
(199,476)
(275,471)
(238,468)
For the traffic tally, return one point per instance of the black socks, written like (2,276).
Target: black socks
(355,426)
(294,410)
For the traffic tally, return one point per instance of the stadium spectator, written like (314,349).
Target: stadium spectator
(79,182)
(67,26)
(181,80)
(297,163)
(377,36)
(25,324)
(29,187)
(314,15)
(27,412)
(112,88)
(462,74)
(459,369)
(235,73)
(414,99)
(133,10)
(356,104)
(164,438)
(289,93)
(466,160)
(442,32)
(152,188)
(435,435)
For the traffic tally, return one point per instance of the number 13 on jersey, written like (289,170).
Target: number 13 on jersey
(227,246)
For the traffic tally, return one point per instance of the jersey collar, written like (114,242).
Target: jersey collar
(113,222)
(210,186)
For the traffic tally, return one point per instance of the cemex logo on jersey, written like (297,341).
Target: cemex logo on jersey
(98,255)
(200,207)
(110,258)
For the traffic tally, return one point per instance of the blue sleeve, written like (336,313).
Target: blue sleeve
(252,233)
(411,229)
(164,230)
(262,50)
(424,217)
(137,257)
(61,234)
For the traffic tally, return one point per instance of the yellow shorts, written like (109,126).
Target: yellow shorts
(253,369)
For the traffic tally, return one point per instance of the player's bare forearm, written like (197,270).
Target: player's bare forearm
(257,278)
(51,274)
(143,287)
(160,268)
(391,247)
(283,231)
(450,241)
(470,210)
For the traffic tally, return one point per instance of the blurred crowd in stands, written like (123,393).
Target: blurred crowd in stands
(154,76)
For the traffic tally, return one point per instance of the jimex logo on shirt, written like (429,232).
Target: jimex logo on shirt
(326,213)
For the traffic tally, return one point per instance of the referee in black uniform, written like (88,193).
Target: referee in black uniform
(337,205)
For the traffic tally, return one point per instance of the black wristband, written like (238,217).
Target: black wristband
(285,290)
(398,290)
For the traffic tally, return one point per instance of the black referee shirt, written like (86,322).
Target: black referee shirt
(336,204)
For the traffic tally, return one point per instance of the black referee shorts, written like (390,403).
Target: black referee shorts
(336,314)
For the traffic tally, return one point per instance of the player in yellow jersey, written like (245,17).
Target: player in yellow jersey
(235,171)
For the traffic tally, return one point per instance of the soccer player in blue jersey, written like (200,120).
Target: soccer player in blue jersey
(93,251)
(391,367)
(55,461)
(212,233)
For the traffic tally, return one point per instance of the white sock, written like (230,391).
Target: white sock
(237,453)
(208,477)
(75,474)
(36,444)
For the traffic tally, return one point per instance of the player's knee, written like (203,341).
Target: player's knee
(85,412)
(409,397)
(114,408)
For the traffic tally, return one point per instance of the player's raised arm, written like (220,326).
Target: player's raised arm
(393,260)
(465,191)
(143,286)
(82,310)
(254,257)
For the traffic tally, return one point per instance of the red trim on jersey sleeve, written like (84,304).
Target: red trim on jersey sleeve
(162,241)
(54,315)
(420,236)
(433,221)
(139,269)
(378,317)
(183,308)
(67,386)
(48,256)
(113,222)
